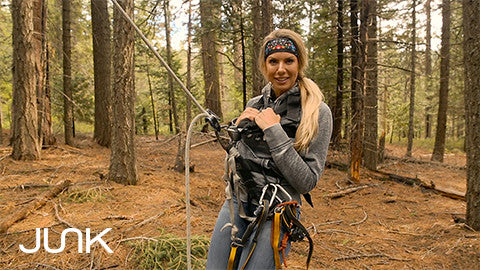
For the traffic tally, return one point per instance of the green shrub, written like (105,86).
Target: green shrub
(95,194)
(169,252)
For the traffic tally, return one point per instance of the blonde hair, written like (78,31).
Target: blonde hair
(310,93)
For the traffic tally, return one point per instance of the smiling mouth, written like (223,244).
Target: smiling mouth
(281,80)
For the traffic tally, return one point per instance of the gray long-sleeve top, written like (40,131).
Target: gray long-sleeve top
(301,170)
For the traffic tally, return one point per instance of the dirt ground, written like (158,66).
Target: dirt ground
(387,225)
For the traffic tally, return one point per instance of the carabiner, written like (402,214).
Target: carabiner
(274,193)
(289,197)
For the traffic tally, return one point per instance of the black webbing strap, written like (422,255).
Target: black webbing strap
(259,222)
(291,217)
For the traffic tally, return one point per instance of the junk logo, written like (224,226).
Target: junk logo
(88,241)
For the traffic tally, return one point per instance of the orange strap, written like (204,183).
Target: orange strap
(275,239)
(283,247)
(231,258)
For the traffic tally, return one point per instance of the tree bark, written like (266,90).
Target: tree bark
(152,101)
(171,92)
(257,77)
(440,134)
(189,64)
(411,112)
(338,109)
(267,17)
(209,21)
(24,104)
(428,70)
(102,72)
(1,126)
(48,136)
(471,54)
(371,88)
(357,86)
(244,63)
(67,72)
(39,37)
(123,159)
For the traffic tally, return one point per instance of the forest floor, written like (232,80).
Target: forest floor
(387,225)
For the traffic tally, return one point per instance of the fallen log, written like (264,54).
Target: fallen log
(204,142)
(38,202)
(454,194)
(431,163)
(336,165)
(345,192)
(450,193)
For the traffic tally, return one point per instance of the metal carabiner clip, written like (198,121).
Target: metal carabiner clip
(289,197)
(274,193)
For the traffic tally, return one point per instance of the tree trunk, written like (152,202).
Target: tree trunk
(209,20)
(338,109)
(267,17)
(67,72)
(102,72)
(471,43)
(123,159)
(244,63)
(428,71)
(238,48)
(257,77)
(48,136)
(189,64)
(39,37)
(357,80)
(24,104)
(173,107)
(179,165)
(1,127)
(152,101)
(411,111)
(439,147)
(371,88)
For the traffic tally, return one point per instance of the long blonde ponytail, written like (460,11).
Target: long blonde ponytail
(311,98)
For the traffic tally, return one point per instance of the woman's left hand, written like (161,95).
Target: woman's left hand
(267,118)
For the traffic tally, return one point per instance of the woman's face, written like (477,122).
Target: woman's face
(282,71)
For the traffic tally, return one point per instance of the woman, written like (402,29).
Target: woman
(278,153)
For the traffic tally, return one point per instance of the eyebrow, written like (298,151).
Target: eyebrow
(271,57)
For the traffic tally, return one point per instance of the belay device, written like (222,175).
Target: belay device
(274,202)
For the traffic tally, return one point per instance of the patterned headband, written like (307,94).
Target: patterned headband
(280,45)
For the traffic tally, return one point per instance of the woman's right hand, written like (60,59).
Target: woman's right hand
(248,113)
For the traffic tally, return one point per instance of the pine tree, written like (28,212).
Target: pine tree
(123,158)
(25,143)
(412,83)
(102,70)
(439,147)
(371,87)
(471,60)
(209,21)
(67,73)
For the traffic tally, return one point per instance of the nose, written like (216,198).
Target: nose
(281,67)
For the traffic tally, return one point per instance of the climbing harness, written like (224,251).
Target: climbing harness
(274,201)
(257,176)
(280,208)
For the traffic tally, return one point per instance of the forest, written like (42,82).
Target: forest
(94,123)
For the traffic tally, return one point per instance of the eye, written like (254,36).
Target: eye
(272,61)
(289,61)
